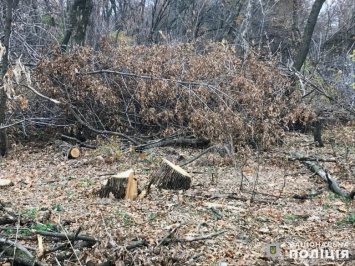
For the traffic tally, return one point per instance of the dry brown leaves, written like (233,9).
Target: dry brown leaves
(43,181)
(207,91)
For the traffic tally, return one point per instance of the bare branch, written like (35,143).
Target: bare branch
(70,108)
(13,124)
(40,94)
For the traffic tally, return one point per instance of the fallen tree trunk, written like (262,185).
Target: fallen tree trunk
(71,237)
(332,184)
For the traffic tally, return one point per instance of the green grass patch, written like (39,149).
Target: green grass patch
(44,227)
(290,217)
(31,213)
(327,206)
(57,207)
(20,231)
(350,219)
(125,217)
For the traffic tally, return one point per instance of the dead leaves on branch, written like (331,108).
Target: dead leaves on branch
(15,77)
(207,91)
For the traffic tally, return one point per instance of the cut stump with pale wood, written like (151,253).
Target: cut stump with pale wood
(5,183)
(122,186)
(171,176)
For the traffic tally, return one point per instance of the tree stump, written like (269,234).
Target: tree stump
(5,183)
(171,176)
(122,185)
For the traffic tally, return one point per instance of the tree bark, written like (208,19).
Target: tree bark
(307,34)
(295,20)
(79,19)
(5,63)
(317,133)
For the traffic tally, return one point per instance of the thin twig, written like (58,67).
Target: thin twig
(71,244)
(198,238)
(13,124)
(70,108)
(143,77)
(164,240)
(82,144)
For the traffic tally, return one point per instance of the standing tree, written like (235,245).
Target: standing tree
(307,34)
(4,68)
(79,20)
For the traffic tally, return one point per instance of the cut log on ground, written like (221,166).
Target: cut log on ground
(122,185)
(68,151)
(171,176)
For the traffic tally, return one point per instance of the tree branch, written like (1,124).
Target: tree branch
(40,94)
(70,108)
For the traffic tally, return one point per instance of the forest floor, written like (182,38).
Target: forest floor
(235,221)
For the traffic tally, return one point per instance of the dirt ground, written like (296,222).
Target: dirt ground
(220,219)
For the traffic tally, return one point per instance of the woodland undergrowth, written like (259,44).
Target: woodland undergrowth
(184,89)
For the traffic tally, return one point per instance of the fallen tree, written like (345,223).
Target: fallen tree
(323,173)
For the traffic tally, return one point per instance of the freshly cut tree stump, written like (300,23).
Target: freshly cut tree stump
(122,185)
(68,151)
(74,153)
(5,183)
(171,176)
(132,187)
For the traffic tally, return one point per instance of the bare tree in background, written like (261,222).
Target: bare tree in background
(4,67)
(307,34)
(285,31)
(79,19)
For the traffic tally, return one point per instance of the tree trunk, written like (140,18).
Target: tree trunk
(317,133)
(295,20)
(79,19)
(307,34)
(5,62)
